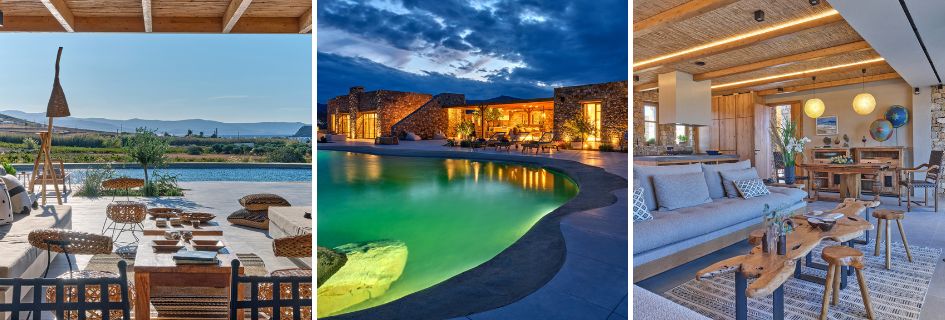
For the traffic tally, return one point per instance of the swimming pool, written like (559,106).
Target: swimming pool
(215,173)
(452,214)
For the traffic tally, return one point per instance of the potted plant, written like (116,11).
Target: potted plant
(465,128)
(578,128)
(785,140)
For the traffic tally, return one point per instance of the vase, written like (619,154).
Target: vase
(782,245)
(789,177)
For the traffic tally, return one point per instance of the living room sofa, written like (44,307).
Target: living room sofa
(674,237)
(19,258)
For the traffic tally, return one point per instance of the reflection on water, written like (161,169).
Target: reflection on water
(453,214)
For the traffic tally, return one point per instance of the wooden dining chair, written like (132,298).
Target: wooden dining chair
(932,180)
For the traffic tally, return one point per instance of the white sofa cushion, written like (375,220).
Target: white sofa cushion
(643,177)
(714,180)
(674,191)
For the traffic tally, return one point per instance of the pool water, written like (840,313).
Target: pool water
(453,214)
(259,174)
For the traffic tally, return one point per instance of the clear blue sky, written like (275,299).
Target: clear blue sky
(229,78)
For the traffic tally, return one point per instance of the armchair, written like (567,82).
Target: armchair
(932,171)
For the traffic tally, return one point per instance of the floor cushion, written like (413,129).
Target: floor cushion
(19,198)
(252,219)
(262,201)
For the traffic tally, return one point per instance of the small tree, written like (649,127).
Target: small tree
(492,115)
(579,127)
(147,148)
(189,133)
(465,128)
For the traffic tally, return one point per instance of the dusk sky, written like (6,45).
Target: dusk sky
(229,78)
(482,48)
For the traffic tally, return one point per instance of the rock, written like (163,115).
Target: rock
(329,261)
(370,269)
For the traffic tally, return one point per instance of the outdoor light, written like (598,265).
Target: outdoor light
(1,18)
(864,103)
(814,107)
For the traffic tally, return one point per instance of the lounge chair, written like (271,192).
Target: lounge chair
(495,139)
(545,142)
(508,143)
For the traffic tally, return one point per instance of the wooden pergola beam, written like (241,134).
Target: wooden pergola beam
(305,22)
(782,61)
(233,12)
(830,84)
(146,14)
(61,12)
(739,41)
(646,86)
(798,75)
(160,24)
(678,13)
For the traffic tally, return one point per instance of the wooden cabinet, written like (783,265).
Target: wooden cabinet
(825,181)
(733,128)
(892,156)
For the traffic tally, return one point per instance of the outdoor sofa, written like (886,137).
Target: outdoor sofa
(674,237)
(19,258)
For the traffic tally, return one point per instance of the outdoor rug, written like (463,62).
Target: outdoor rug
(897,293)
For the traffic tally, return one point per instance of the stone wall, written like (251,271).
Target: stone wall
(614,104)
(431,117)
(391,107)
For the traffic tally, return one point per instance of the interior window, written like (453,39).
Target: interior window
(649,123)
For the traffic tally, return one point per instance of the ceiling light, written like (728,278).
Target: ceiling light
(700,63)
(798,73)
(760,15)
(864,103)
(814,107)
(813,2)
(743,36)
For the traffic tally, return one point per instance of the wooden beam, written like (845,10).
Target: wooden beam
(146,14)
(160,24)
(800,74)
(678,13)
(830,84)
(233,13)
(61,12)
(782,61)
(742,40)
(305,21)
(646,86)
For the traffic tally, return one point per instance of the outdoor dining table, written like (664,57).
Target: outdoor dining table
(153,269)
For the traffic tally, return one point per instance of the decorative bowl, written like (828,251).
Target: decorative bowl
(203,217)
(164,212)
(821,224)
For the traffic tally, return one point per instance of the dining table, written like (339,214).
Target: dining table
(851,174)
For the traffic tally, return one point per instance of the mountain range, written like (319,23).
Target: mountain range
(174,127)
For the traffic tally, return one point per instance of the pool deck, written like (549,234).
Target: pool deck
(589,282)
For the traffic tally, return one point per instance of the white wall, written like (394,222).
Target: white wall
(838,101)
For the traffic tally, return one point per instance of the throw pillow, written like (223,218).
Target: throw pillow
(674,191)
(262,201)
(6,211)
(643,177)
(729,178)
(714,180)
(252,219)
(640,211)
(19,198)
(751,188)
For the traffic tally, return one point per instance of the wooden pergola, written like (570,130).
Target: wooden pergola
(169,16)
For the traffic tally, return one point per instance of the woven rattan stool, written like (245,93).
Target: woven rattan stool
(125,216)
(885,215)
(838,257)
(122,184)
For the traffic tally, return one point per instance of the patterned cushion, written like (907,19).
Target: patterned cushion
(253,219)
(751,188)
(640,211)
(18,196)
(262,201)
(729,178)
(674,191)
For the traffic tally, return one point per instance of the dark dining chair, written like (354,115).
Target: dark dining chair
(932,170)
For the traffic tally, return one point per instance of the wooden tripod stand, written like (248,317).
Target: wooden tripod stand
(48,172)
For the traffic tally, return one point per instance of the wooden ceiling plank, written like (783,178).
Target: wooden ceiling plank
(146,14)
(830,84)
(233,12)
(160,24)
(61,12)
(781,61)
(646,86)
(800,75)
(305,22)
(678,13)
(739,43)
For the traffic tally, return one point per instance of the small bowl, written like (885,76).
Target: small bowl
(203,217)
(821,224)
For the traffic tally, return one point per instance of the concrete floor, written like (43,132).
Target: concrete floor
(923,228)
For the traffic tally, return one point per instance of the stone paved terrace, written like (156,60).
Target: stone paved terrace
(592,282)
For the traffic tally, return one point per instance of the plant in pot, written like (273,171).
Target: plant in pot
(785,140)
(464,129)
(579,128)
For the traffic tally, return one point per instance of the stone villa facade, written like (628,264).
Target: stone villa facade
(366,115)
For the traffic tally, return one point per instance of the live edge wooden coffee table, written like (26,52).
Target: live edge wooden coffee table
(771,270)
(153,269)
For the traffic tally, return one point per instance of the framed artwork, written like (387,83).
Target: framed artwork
(827,126)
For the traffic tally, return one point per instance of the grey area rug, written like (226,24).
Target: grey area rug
(897,293)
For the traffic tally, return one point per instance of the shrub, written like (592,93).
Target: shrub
(163,185)
(30,143)
(9,168)
(287,154)
(194,150)
(92,183)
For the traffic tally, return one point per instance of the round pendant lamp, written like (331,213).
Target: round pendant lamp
(864,103)
(814,107)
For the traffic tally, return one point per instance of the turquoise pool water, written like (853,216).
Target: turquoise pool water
(453,214)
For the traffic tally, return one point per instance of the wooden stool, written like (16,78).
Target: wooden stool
(882,215)
(838,257)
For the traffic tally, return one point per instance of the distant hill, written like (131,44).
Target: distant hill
(174,127)
(305,131)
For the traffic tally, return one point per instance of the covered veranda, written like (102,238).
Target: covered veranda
(527,116)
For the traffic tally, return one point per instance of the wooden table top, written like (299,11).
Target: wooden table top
(207,229)
(147,260)
(773,270)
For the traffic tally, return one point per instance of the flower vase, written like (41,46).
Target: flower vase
(789,177)
(770,239)
(782,245)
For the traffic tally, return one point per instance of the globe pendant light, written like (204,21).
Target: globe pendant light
(864,103)
(814,107)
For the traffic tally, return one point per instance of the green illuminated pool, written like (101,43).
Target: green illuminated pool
(453,214)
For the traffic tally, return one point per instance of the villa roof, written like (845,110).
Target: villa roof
(505,101)
(171,16)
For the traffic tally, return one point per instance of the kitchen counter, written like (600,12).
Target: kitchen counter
(667,160)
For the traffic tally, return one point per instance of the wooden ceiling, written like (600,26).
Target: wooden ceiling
(175,16)
(795,41)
